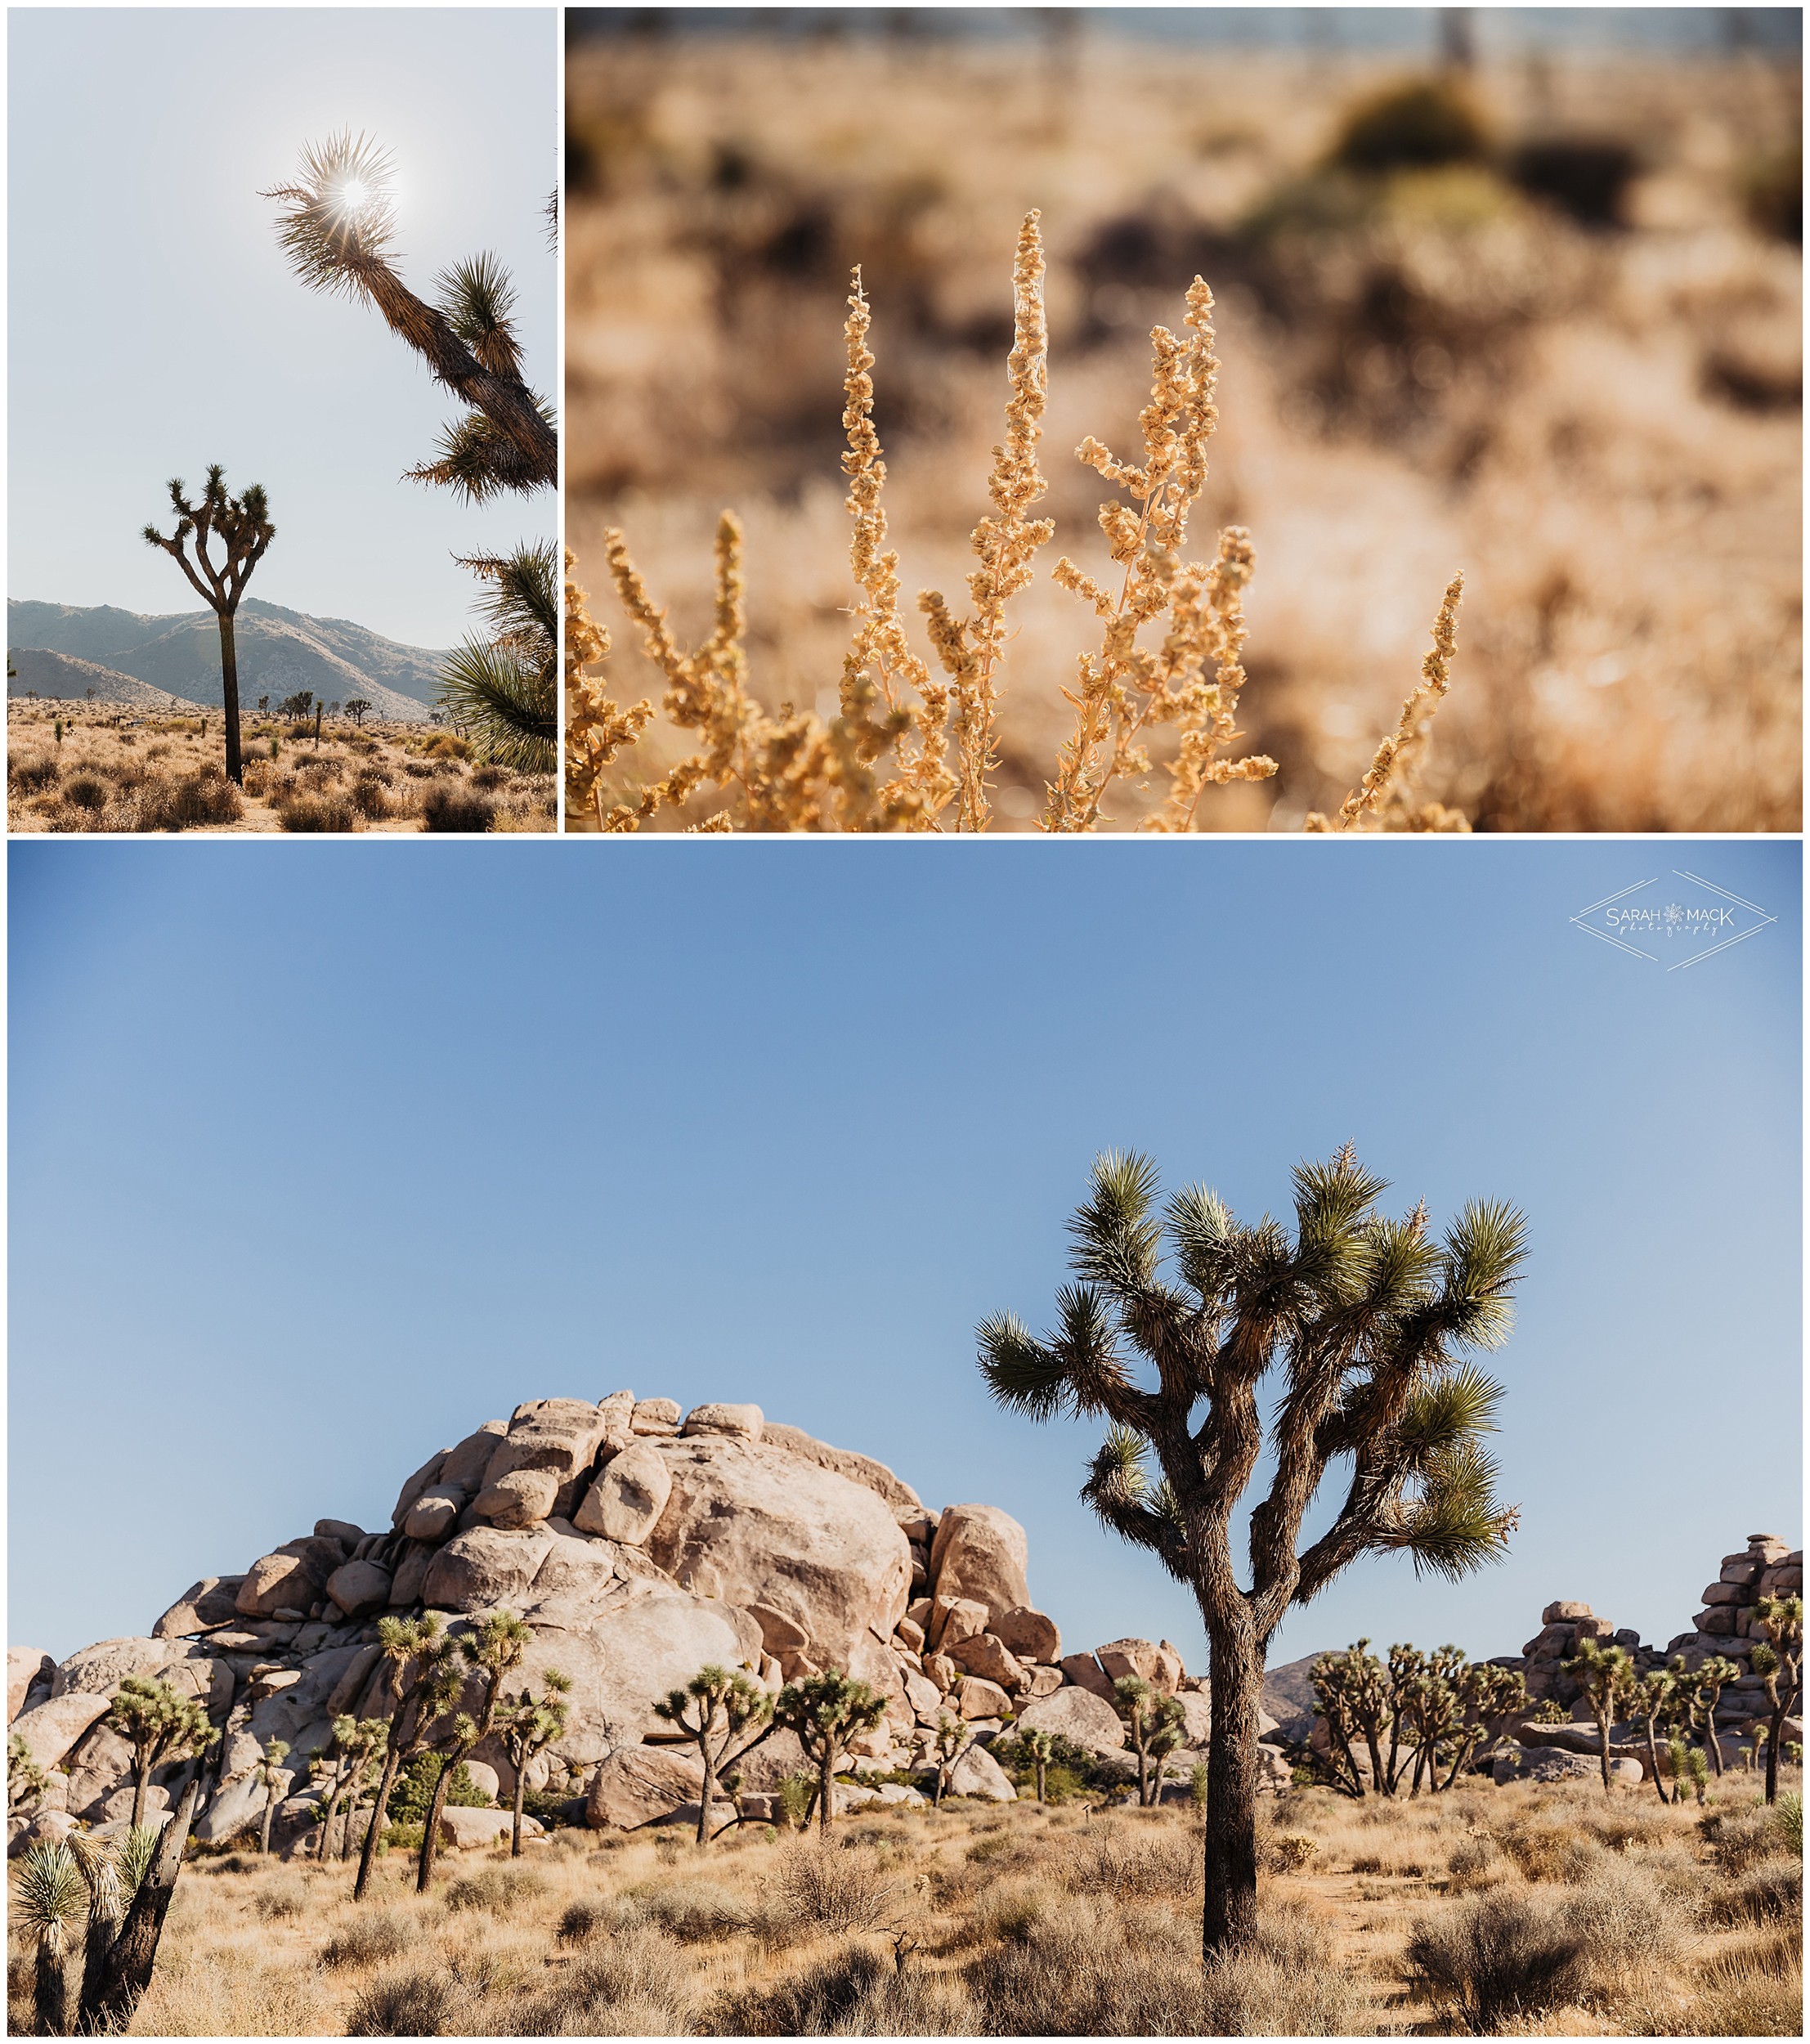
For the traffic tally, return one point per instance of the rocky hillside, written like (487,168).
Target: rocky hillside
(639,1544)
(67,679)
(280,652)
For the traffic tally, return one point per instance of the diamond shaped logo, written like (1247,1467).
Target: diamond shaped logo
(1674,928)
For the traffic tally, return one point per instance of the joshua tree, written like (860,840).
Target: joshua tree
(718,1707)
(338,228)
(1153,1723)
(953,1739)
(826,1711)
(273,1777)
(150,1864)
(1657,1700)
(501,692)
(242,527)
(425,1676)
(1363,1316)
(528,1726)
(1352,1690)
(1487,1694)
(357,1742)
(357,709)
(50,1902)
(160,1724)
(1040,1747)
(1605,1674)
(26,1781)
(1701,1693)
(1778,1661)
(491,1652)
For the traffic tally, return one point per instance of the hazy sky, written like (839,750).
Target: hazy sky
(323,1154)
(153,326)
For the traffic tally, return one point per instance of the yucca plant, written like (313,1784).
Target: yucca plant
(26,1781)
(501,692)
(425,1676)
(726,1715)
(1778,1661)
(826,1711)
(1605,1674)
(273,1778)
(242,527)
(1039,1749)
(150,1864)
(949,1742)
(50,1904)
(1655,1701)
(160,1724)
(1702,1693)
(1153,1725)
(1363,1317)
(490,1652)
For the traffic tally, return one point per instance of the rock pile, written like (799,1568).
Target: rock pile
(639,1542)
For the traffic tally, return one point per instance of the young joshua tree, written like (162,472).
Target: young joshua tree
(527,1727)
(1040,1747)
(160,1724)
(718,1707)
(491,1652)
(826,1711)
(1701,1693)
(1778,1661)
(50,1903)
(1153,1723)
(1362,1318)
(1655,1701)
(274,1777)
(242,528)
(1605,1674)
(425,1675)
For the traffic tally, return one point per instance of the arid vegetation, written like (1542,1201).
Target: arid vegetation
(88,767)
(1523,1910)
(1539,325)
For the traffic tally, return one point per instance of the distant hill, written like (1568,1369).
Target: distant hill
(70,679)
(1288,1695)
(279,652)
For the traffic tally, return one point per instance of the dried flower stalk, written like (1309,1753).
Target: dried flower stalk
(1126,689)
(1382,793)
(970,650)
(597,728)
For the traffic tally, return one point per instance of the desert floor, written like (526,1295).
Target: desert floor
(1619,1915)
(115,769)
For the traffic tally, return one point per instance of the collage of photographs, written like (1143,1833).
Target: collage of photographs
(939,1367)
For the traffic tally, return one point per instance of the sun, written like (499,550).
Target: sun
(353,196)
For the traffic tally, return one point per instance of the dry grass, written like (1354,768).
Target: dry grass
(118,769)
(978,1920)
(1451,377)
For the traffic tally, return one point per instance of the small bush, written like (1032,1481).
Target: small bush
(1742,1837)
(1288,1852)
(855,1992)
(1625,1924)
(835,1888)
(367,1941)
(1289,1985)
(639,1984)
(283,1898)
(1765,1891)
(325,812)
(456,809)
(32,777)
(495,1889)
(1493,1957)
(419,2002)
(1476,1862)
(445,744)
(1170,1866)
(487,778)
(694,1912)
(85,792)
(204,797)
(1414,126)
(370,793)
(1075,1973)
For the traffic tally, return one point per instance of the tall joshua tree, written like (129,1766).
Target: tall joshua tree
(491,1652)
(1363,1319)
(1778,1661)
(1153,1724)
(527,1727)
(1605,1674)
(718,1707)
(425,1676)
(160,1724)
(242,528)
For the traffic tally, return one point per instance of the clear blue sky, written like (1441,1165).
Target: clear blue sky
(322,1154)
(153,327)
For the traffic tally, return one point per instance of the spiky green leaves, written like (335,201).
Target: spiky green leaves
(49,1898)
(477,298)
(502,692)
(1119,1490)
(339,218)
(1485,1251)
(1116,1235)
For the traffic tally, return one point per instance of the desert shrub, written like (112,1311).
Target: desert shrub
(1076,1973)
(498,1889)
(304,811)
(1493,1957)
(1624,1923)
(419,770)
(1476,1862)
(854,1992)
(1414,126)
(1764,1891)
(454,807)
(1288,1852)
(1288,1984)
(85,792)
(413,1791)
(1622,1825)
(1741,1837)
(445,744)
(1163,1866)
(833,1888)
(639,1984)
(32,777)
(421,2002)
(207,796)
(694,1912)
(367,1941)
(587,1919)
(1551,1849)
(487,778)
(280,1899)
(403,1838)
(370,792)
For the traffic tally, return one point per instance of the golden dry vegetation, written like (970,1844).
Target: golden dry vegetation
(115,769)
(1621,1916)
(1422,372)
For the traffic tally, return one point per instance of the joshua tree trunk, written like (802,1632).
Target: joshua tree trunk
(139,1781)
(133,1958)
(229,694)
(1236,1680)
(270,1813)
(826,1790)
(1143,1775)
(1775,1731)
(705,1795)
(515,1829)
(430,1835)
(57,1996)
(1652,1761)
(392,1759)
(1040,1777)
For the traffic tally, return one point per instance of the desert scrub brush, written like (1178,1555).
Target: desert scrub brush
(885,762)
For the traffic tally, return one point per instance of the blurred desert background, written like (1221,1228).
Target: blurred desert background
(1518,295)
